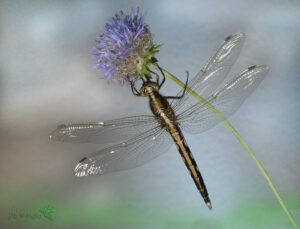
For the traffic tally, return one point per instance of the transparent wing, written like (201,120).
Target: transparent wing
(104,132)
(200,118)
(212,75)
(126,155)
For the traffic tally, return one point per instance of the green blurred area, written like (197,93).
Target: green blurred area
(123,215)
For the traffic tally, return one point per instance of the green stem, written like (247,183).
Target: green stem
(239,138)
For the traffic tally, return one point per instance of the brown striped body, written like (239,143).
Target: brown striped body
(165,115)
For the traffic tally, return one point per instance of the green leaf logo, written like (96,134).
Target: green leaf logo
(47,211)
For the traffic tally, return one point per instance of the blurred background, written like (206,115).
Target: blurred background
(46,79)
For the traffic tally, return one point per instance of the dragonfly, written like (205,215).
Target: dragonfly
(140,139)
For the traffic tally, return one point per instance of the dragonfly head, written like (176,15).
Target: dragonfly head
(149,87)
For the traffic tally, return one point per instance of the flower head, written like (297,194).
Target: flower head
(125,50)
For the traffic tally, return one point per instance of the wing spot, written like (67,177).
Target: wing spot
(228,38)
(251,68)
(83,159)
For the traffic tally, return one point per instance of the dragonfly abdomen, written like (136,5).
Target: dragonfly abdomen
(165,115)
(190,162)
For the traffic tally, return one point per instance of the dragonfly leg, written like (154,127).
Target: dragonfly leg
(164,77)
(157,76)
(184,89)
(134,90)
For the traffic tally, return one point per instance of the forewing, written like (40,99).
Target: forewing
(130,154)
(212,75)
(104,132)
(200,118)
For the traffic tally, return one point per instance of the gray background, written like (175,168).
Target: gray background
(46,79)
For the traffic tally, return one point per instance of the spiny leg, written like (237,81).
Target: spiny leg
(157,76)
(133,89)
(184,89)
(164,77)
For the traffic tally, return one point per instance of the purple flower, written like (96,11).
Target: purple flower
(125,50)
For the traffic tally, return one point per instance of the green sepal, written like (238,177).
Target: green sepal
(153,60)
(146,72)
(155,48)
(149,60)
